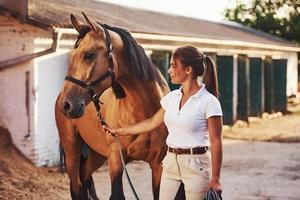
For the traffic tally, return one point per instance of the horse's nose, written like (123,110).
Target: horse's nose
(67,106)
(73,109)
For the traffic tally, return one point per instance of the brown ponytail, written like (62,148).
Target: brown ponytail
(210,76)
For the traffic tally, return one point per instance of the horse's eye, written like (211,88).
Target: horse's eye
(89,56)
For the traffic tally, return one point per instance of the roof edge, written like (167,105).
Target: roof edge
(233,43)
(216,41)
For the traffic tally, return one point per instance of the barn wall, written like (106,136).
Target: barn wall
(292,73)
(18,93)
(15,115)
(49,75)
(292,65)
(17,39)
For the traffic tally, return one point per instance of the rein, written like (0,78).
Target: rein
(95,98)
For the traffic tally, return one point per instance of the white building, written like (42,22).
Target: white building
(37,35)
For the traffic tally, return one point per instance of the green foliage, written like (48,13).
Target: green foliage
(277,17)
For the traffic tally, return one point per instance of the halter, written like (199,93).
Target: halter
(111,72)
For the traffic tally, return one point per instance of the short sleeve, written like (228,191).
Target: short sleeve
(165,101)
(213,107)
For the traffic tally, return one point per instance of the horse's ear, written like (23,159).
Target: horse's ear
(94,25)
(76,23)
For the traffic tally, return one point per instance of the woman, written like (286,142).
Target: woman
(193,117)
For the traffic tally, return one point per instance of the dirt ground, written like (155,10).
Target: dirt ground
(251,171)
(261,161)
(19,179)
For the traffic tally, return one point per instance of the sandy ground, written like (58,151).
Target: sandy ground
(251,170)
(261,161)
(19,179)
(252,167)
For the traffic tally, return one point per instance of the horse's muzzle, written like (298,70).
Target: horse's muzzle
(73,109)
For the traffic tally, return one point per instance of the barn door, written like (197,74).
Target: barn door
(280,68)
(256,86)
(225,76)
(269,85)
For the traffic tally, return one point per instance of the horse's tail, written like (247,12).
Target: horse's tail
(62,161)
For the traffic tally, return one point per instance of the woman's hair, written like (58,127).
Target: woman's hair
(201,64)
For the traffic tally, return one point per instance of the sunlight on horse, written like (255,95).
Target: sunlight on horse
(77,122)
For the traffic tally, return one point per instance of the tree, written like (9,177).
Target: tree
(277,17)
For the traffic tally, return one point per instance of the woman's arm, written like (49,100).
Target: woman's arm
(215,135)
(140,127)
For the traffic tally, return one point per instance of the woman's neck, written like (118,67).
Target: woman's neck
(190,88)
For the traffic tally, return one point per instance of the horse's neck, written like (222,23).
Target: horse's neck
(141,89)
(142,101)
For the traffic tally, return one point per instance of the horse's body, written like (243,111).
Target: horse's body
(142,100)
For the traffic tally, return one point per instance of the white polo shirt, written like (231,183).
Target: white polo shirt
(188,126)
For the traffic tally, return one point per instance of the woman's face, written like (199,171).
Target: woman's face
(177,71)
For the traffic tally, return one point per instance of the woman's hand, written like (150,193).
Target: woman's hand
(115,131)
(215,184)
(138,128)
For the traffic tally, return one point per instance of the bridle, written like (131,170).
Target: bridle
(95,98)
(110,73)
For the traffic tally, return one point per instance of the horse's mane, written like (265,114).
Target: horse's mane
(139,64)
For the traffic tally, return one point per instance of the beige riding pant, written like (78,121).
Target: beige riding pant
(192,170)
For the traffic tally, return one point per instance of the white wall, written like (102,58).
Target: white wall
(13,112)
(49,75)
(19,39)
(292,74)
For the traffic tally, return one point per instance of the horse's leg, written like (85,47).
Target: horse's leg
(71,144)
(92,163)
(180,193)
(156,176)
(116,172)
(72,158)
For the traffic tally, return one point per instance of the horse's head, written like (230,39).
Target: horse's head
(92,67)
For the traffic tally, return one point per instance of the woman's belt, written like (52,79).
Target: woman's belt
(195,150)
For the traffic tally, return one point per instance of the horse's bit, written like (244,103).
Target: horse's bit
(95,97)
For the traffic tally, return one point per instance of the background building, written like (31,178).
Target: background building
(256,71)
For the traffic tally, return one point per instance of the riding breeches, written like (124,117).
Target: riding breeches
(191,169)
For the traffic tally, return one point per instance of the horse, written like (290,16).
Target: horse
(109,66)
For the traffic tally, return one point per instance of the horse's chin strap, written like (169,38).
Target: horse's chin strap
(90,86)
